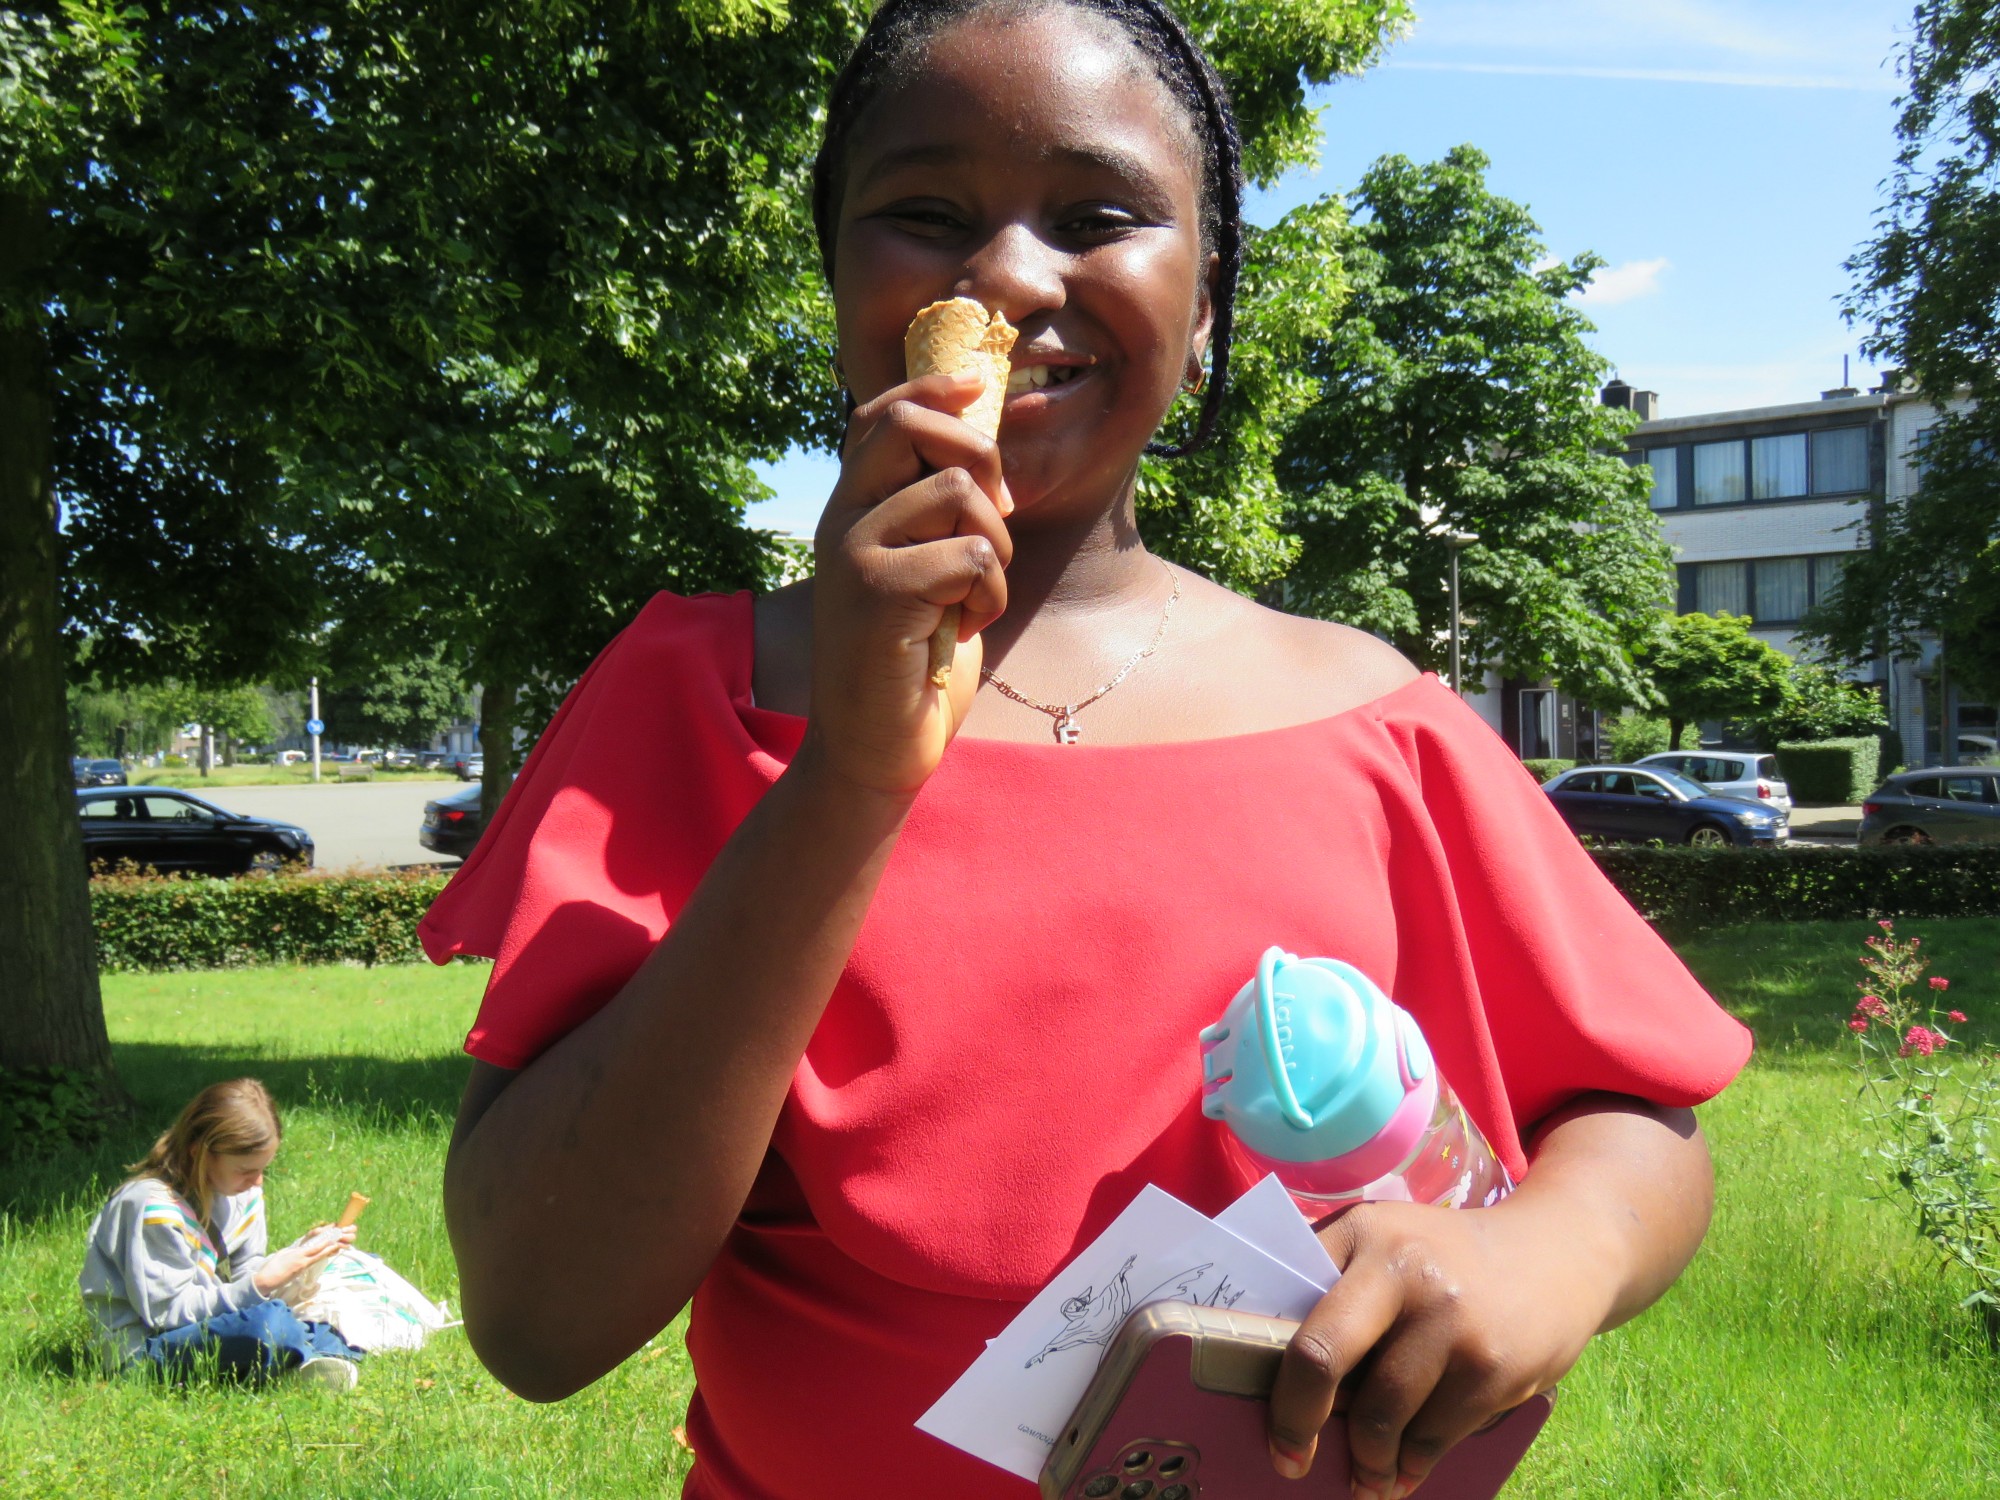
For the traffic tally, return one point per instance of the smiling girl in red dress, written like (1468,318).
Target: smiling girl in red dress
(865,1005)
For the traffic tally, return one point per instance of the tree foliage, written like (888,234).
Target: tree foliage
(1819,705)
(1927,286)
(385,701)
(1712,667)
(1455,392)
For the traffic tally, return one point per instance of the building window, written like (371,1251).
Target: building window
(1666,477)
(1778,466)
(1827,568)
(1784,588)
(1840,461)
(1718,473)
(1721,588)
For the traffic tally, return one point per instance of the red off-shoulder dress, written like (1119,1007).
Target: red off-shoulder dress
(1010,1054)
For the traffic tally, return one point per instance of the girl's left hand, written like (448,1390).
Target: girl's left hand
(1442,1319)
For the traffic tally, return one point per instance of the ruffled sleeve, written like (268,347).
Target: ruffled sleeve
(632,790)
(1555,985)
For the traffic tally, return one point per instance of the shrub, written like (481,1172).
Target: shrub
(1633,736)
(1542,770)
(154,922)
(1831,771)
(46,1109)
(1820,705)
(1686,891)
(1935,1120)
(173,762)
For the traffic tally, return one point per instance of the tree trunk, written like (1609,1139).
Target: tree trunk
(1674,728)
(496,743)
(51,1013)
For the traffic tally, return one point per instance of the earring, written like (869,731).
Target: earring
(1193,383)
(839,375)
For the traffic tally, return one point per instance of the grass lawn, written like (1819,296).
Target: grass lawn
(294,775)
(1812,1351)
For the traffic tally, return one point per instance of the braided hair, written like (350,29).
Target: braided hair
(894,39)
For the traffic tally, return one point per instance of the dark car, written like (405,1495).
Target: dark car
(171,830)
(97,772)
(1642,803)
(452,824)
(430,760)
(1959,805)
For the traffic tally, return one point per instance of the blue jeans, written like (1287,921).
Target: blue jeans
(246,1345)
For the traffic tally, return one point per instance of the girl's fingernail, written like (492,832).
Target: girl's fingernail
(1290,1463)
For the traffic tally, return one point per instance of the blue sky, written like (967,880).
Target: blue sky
(1724,158)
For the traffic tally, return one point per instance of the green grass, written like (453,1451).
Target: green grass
(1811,1353)
(297,775)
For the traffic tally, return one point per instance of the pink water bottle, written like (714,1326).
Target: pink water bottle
(1327,1082)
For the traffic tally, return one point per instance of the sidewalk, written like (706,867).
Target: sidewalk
(1825,825)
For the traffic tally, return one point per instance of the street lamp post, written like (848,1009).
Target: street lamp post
(1457,541)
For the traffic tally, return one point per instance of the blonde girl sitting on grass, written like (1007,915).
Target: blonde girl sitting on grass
(176,1273)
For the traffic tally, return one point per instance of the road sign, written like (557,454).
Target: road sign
(315,726)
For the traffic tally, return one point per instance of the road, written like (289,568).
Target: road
(362,823)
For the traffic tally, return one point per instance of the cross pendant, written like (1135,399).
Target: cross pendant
(1067,732)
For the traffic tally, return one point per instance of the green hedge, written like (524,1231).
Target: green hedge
(1685,891)
(1542,770)
(1831,771)
(150,922)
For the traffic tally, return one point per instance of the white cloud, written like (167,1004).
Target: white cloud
(1775,44)
(1627,283)
(1884,84)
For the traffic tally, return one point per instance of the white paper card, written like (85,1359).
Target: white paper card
(1268,1219)
(1009,1406)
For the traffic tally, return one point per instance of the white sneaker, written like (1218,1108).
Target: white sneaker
(329,1372)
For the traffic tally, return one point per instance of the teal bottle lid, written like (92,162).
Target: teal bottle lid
(1310,1061)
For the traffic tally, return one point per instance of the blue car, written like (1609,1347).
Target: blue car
(1639,804)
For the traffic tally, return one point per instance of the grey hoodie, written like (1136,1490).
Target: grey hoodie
(152,1267)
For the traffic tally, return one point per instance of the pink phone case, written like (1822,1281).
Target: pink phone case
(1177,1411)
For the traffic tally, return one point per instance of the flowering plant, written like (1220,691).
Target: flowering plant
(1937,1118)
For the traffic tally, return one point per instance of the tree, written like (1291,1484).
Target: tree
(1455,392)
(384,701)
(1712,667)
(1927,286)
(1819,705)
(462,318)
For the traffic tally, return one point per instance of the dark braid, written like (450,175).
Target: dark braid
(895,35)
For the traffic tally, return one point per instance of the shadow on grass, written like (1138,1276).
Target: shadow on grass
(386,1091)
(1795,983)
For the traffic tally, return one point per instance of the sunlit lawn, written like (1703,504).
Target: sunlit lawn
(1811,1352)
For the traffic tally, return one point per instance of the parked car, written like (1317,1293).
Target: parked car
(1955,805)
(1734,773)
(431,760)
(452,823)
(291,757)
(469,764)
(98,772)
(1642,803)
(172,830)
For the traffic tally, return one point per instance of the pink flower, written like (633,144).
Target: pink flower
(1922,1041)
(1940,984)
(1872,1005)
(1957,1017)
(1886,926)
(1857,1024)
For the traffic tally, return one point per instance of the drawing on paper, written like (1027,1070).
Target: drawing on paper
(1093,1316)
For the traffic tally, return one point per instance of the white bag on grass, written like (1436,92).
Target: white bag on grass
(370,1306)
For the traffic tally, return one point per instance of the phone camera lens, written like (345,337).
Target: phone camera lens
(1101,1486)
(1175,1492)
(1138,1489)
(1137,1460)
(1171,1467)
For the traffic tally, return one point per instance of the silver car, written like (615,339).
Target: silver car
(1941,805)
(1750,774)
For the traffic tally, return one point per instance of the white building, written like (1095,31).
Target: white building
(1764,507)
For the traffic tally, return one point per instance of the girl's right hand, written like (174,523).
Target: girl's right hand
(913,526)
(302,1254)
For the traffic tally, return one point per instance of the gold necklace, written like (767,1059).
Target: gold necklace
(1067,732)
